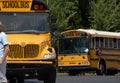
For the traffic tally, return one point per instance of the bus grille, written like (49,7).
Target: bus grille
(29,51)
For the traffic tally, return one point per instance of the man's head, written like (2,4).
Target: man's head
(0,26)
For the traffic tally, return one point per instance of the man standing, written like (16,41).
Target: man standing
(4,49)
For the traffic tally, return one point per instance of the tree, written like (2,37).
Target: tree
(71,14)
(83,6)
(105,14)
(67,14)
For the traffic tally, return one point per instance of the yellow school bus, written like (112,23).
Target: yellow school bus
(89,50)
(27,24)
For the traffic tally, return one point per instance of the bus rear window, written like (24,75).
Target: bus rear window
(118,43)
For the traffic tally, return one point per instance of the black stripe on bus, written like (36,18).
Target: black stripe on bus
(115,60)
(110,54)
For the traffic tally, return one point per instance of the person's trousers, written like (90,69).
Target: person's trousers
(3,78)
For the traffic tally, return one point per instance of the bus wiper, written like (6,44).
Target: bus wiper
(31,31)
(10,30)
(77,49)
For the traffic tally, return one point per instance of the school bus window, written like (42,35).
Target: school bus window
(118,43)
(64,44)
(110,43)
(22,22)
(73,45)
(101,42)
(97,42)
(115,42)
(106,42)
(60,45)
(77,33)
(92,43)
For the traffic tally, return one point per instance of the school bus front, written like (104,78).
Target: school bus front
(71,61)
(30,47)
(27,25)
(73,54)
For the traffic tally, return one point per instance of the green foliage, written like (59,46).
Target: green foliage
(67,13)
(105,15)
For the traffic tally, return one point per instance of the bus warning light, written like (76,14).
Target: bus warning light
(39,7)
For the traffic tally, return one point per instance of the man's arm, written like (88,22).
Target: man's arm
(6,51)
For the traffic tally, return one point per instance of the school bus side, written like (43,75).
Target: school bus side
(103,53)
(108,61)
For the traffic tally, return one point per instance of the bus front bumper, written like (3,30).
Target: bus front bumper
(29,62)
(82,68)
(28,69)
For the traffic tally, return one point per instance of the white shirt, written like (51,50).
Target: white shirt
(3,41)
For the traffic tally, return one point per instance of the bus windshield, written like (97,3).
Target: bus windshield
(19,22)
(73,45)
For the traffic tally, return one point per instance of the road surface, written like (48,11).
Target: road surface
(81,79)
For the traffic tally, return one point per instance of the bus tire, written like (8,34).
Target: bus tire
(51,78)
(48,76)
(20,80)
(20,77)
(102,68)
(12,80)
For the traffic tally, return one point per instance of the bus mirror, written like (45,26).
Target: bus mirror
(54,27)
(88,52)
(98,51)
(57,34)
(53,23)
(53,18)
(50,49)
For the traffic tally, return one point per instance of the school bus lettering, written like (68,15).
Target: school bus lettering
(25,4)
(15,4)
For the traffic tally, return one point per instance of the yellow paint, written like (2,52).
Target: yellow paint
(30,62)
(15,5)
(73,60)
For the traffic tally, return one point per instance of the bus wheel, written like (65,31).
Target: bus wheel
(51,77)
(102,69)
(48,76)
(12,80)
(20,80)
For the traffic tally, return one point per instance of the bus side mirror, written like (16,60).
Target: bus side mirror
(88,52)
(54,26)
(53,18)
(98,51)
(53,23)
(56,33)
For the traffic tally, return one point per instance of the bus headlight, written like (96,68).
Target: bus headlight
(85,63)
(49,56)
